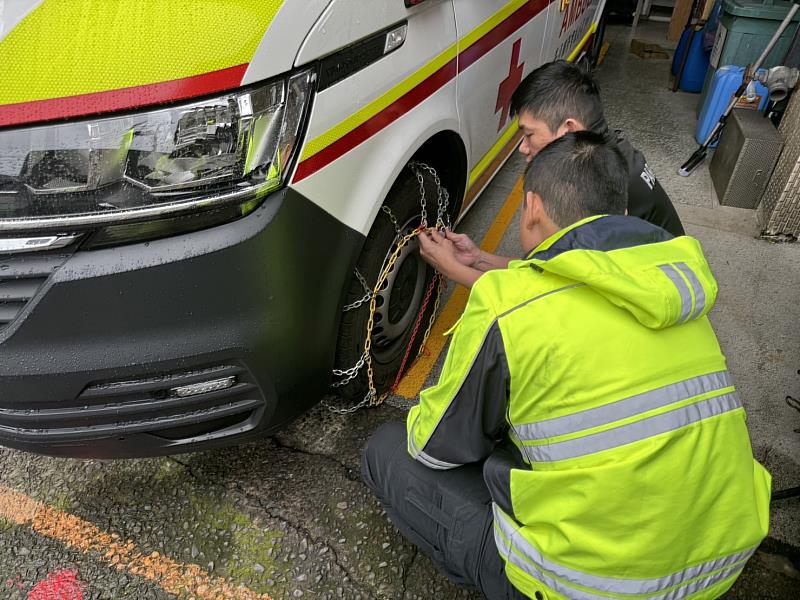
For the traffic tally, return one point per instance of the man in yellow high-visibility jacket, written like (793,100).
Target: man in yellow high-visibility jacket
(585,439)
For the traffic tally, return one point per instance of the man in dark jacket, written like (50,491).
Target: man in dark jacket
(560,97)
(557,98)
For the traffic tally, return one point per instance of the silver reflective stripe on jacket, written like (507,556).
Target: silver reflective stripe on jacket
(434,463)
(627,407)
(516,549)
(634,432)
(697,288)
(683,289)
(425,459)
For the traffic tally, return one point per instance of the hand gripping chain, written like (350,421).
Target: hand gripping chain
(437,285)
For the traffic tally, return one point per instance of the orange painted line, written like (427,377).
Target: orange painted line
(413,381)
(173,577)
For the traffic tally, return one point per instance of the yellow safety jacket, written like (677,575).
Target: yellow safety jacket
(619,461)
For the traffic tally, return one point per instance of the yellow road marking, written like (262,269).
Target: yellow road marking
(182,579)
(413,381)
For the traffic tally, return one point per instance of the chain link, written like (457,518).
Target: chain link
(422,203)
(337,410)
(443,196)
(348,374)
(371,398)
(360,301)
(393,219)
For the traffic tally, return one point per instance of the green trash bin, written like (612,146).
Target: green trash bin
(745,28)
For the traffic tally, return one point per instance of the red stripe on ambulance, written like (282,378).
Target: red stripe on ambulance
(573,13)
(422,91)
(122,99)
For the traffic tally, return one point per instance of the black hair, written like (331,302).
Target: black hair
(557,91)
(579,175)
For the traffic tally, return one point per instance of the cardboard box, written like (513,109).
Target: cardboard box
(648,50)
(680,15)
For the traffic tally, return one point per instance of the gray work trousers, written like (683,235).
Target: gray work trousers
(446,514)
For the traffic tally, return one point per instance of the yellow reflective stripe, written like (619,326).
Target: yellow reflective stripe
(481,30)
(373,108)
(71,47)
(575,51)
(599,429)
(483,164)
(680,283)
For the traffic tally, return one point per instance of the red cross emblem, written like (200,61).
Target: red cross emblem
(509,84)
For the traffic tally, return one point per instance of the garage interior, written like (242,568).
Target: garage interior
(290,518)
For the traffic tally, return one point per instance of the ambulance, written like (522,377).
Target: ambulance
(197,198)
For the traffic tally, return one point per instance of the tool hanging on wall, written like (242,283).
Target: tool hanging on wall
(699,155)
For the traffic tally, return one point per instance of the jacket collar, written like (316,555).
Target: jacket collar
(603,233)
(601,127)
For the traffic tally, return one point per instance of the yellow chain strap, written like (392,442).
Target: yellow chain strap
(372,393)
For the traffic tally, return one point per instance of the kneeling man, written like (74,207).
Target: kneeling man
(585,439)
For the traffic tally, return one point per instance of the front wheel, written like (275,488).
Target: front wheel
(401,313)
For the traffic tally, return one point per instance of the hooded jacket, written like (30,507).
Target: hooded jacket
(618,458)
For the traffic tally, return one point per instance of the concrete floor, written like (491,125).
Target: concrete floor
(657,121)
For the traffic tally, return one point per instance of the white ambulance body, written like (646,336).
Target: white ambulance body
(191,193)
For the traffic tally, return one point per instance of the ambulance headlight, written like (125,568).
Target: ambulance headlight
(228,151)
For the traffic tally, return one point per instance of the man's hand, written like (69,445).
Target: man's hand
(468,254)
(439,252)
(442,254)
(466,251)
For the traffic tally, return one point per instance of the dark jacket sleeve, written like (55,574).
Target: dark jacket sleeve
(646,198)
(461,418)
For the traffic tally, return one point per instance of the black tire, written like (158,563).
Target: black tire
(405,291)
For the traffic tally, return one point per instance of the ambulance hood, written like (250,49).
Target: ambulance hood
(662,281)
(101,56)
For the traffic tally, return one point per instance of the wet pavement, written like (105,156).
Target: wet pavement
(288,517)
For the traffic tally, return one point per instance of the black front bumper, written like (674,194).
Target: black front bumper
(98,363)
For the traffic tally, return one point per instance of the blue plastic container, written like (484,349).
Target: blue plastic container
(724,84)
(694,71)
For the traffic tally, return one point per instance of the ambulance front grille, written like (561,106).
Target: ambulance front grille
(21,277)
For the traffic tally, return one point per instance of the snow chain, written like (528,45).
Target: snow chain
(437,285)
